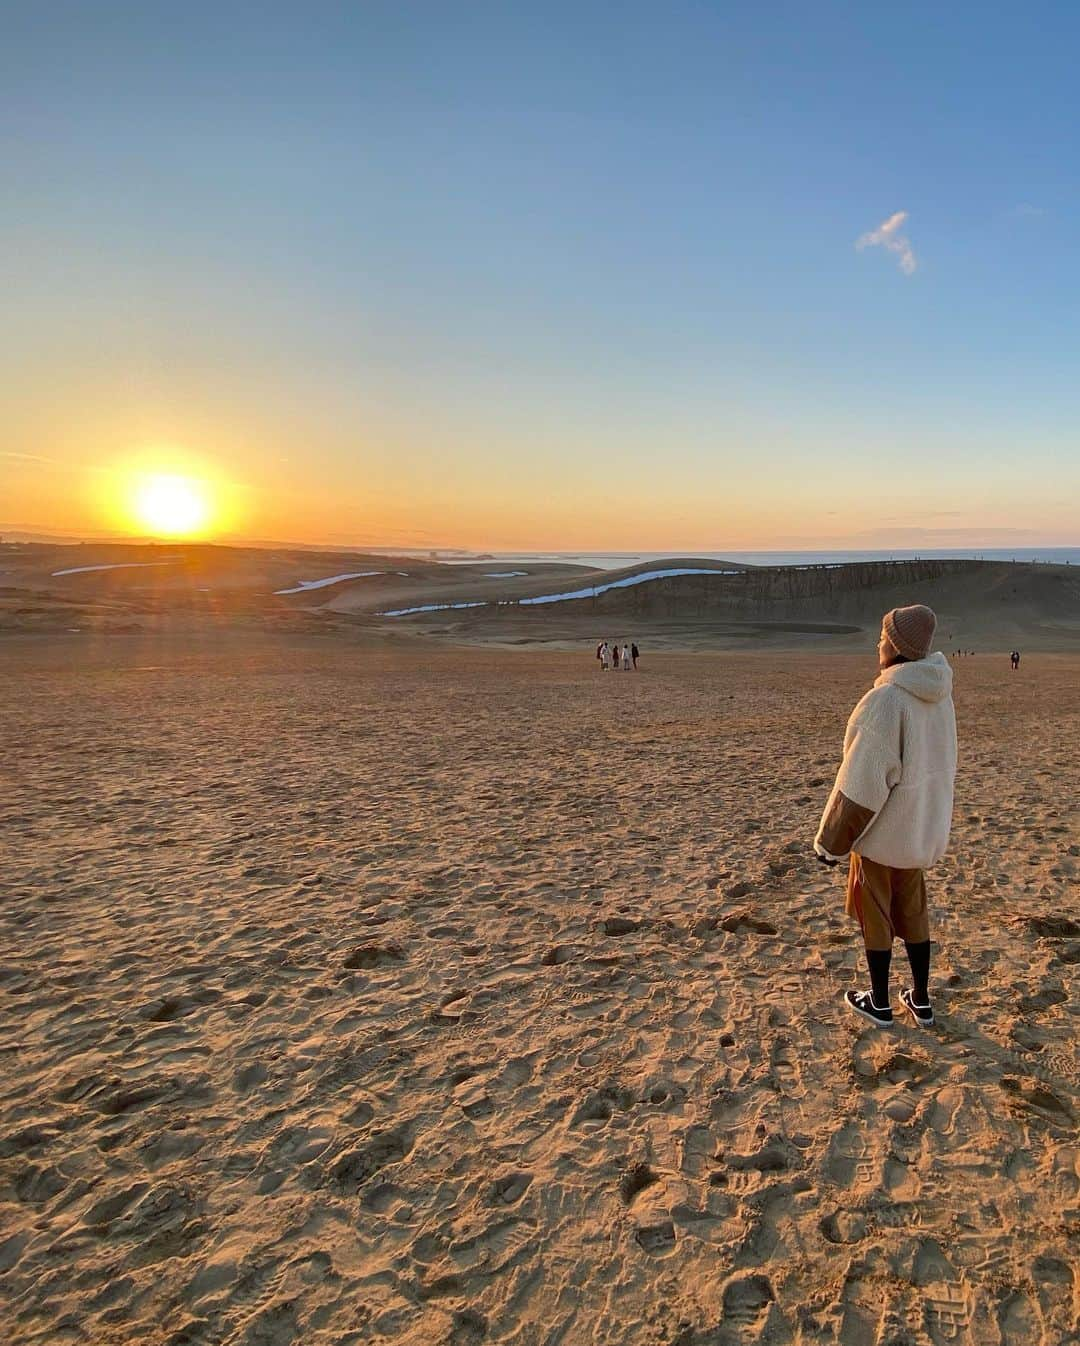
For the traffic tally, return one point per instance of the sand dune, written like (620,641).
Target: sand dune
(979,604)
(516,1018)
(681,603)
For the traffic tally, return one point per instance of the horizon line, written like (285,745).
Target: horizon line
(24,535)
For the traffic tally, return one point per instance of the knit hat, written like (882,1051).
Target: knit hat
(910,630)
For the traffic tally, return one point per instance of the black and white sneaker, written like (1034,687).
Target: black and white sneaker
(862,1002)
(922,1014)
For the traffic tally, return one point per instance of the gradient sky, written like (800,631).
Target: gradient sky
(547,275)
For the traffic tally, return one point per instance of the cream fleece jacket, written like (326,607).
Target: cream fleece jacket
(892,800)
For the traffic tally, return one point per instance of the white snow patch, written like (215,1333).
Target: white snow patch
(590,592)
(503,574)
(430,607)
(625,583)
(304,585)
(118,565)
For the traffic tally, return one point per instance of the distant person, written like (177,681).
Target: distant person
(615,655)
(604,656)
(600,653)
(890,809)
(1014,659)
(634,652)
(626,658)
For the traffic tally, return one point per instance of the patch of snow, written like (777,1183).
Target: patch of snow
(304,585)
(590,592)
(118,565)
(430,607)
(625,583)
(504,574)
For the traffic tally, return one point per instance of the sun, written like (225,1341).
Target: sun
(169,505)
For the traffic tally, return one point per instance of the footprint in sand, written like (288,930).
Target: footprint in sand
(658,1240)
(1020,1321)
(358,1166)
(471,1096)
(745,921)
(899,1181)
(250,1077)
(451,1008)
(469,1328)
(1055,1280)
(663,1093)
(843,1227)
(366,956)
(600,1105)
(509,1188)
(944,1108)
(620,925)
(516,1072)
(37,1185)
(786,1071)
(863,1309)
(946,1302)
(635,1180)
(849,1161)
(746,1300)
(108,1208)
(696,1147)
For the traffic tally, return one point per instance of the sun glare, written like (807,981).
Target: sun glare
(171,506)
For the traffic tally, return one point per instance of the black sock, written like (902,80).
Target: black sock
(919,958)
(878,961)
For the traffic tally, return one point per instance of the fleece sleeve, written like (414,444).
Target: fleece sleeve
(870,769)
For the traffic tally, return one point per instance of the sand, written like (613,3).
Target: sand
(682,604)
(407,994)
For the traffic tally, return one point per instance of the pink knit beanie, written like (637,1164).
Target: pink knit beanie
(910,630)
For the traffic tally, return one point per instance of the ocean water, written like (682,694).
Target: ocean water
(615,560)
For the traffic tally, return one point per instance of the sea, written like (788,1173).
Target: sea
(616,560)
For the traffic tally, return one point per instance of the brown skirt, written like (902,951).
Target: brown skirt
(887,903)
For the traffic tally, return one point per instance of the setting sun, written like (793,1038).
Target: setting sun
(170,505)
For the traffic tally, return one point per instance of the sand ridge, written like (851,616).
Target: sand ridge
(682,603)
(429,995)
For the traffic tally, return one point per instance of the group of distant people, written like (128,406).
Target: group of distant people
(613,657)
(1014,657)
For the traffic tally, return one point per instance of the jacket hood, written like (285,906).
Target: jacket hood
(929,679)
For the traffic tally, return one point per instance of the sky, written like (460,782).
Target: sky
(689,276)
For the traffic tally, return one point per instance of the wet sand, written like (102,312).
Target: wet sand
(409,994)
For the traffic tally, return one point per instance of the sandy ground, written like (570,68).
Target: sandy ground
(444,996)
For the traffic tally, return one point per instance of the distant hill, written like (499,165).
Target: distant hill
(683,602)
(977,603)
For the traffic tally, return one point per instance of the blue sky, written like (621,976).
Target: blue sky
(550,275)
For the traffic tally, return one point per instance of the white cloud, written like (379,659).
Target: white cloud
(888,236)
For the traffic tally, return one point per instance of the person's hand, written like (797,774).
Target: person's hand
(826,860)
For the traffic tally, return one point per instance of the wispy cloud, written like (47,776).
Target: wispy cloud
(1026,211)
(888,236)
(26,457)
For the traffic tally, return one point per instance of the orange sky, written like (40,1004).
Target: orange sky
(527,505)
